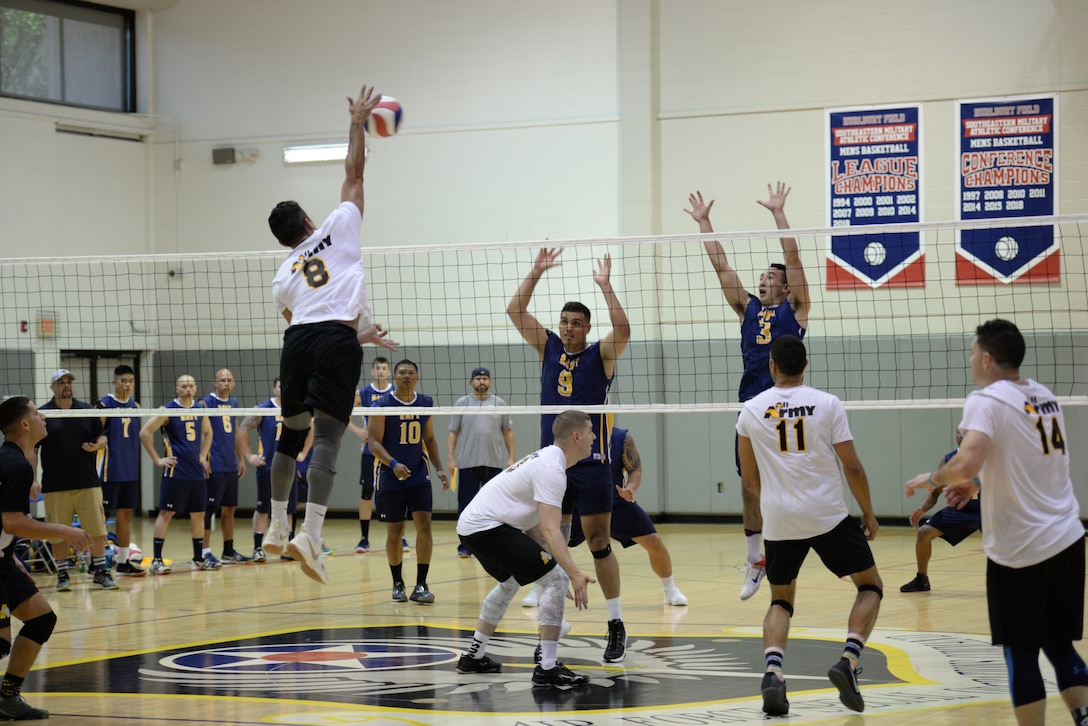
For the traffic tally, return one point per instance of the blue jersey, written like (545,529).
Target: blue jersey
(570,379)
(367,396)
(615,452)
(182,436)
(224,458)
(121,457)
(760,327)
(403,439)
(268,434)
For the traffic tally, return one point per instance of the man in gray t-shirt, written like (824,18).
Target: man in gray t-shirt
(476,442)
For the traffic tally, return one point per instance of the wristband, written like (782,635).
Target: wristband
(933,483)
(393,463)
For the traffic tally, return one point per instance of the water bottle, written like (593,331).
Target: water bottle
(75,520)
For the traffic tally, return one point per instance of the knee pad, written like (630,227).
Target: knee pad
(1068,665)
(601,554)
(40,628)
(5,649)
(1025,679)
(784,605)
(872,588)
(292,441)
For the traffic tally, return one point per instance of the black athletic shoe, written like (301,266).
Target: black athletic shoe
(558,677)
(468,664)
(920,583)
(422,594)
(398,593)
(616,650)
(15,708)
(845,679)
(774,695)
(130,569)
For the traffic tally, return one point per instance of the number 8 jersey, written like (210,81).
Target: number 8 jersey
(322,279)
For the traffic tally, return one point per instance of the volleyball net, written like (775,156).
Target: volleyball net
(893,310)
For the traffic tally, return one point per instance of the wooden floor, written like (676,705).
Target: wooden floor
(263,644)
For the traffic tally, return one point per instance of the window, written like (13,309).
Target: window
(68,52)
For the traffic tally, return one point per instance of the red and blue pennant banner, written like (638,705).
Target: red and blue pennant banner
(874,161)
(1007,169)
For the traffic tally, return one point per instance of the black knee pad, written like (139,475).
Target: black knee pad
(784,605)
(5,649)
(601,554)
(292,441)
(872,588)
(40,628)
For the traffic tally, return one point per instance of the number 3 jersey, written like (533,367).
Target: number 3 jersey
(760,327)
(793,433)
(1029,510)
(322,278)
(403,440)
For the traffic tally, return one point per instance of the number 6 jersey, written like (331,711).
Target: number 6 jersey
(322,279)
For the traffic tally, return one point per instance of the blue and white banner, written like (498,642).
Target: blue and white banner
(1007,169)
(874,162)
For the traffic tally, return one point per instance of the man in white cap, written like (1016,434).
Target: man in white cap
(70,483)
(475,447)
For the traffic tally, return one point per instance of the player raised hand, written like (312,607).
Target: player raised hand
(603,271)
(700,210)
(776,198)
(546,259)
(378,336)
(361,107)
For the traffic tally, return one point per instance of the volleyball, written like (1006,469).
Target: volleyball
(384,120)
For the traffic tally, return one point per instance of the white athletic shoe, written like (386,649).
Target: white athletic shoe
(673,596)
(533,598)
(753,576)
(275,539)
(303,549)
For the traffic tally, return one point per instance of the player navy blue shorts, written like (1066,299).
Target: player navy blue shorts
(319,367)
(395,504)
(956,525)
(366,477)
(264,493)
(223,489)
(183,496)
(589,488)
(120,494)
(1037,605)
(506,552)
(843,550)
(629,520)
(16,587)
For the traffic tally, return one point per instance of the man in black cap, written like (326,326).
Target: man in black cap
(476,442)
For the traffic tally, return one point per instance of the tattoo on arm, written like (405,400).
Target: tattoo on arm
(631,459)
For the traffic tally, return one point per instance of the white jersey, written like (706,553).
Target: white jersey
(793,432)
(1029,511)
(511,497)
(323,279)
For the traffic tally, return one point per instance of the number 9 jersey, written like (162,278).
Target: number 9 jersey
(575,379)
(322,279)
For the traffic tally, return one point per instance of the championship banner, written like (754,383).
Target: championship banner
(1007,169)
(874,158)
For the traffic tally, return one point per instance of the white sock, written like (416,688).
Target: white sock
(549,654)
(614,609)
(752,542)
(206,551)
(478,646)
(315,518)
(279,514)
(667,583)
(122,554)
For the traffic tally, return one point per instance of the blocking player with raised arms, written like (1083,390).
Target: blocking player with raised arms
(574,372)
(121,464)
(320,289)
(23,428)
(186,465)
(228,465)
(781,308)
(1014,440)
(403,444)
(792,438)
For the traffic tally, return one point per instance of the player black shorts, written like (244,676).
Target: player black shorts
(183,496)
(506,552)
(366,477)
(843,550)
(319,367)
(120,494)
(223,489)
(16,587)
(395,504)
(1037,605)
(956,525)
(589,488)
